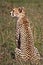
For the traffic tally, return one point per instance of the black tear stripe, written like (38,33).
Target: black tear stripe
(19,41)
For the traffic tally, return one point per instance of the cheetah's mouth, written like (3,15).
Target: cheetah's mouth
(12,14)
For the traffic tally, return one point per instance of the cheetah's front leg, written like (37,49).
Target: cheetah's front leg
(19,54)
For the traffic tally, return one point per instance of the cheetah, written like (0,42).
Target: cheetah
(25,47)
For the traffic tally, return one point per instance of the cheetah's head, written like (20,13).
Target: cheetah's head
(17,12)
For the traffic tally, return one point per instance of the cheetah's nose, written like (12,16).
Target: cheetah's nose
(10,13)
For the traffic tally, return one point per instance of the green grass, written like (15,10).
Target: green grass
(34,9)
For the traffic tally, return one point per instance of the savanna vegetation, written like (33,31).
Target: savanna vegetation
(34,11)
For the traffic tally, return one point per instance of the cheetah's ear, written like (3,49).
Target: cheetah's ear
(21,9)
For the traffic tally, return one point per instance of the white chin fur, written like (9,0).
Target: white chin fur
(12,16)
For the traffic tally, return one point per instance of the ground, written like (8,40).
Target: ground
(34,9)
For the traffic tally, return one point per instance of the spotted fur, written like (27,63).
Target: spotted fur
(25,47)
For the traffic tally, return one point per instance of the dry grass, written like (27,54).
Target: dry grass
(34,10)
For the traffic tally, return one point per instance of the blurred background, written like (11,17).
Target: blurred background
(34,10)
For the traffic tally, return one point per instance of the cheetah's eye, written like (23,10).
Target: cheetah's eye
(13,10)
